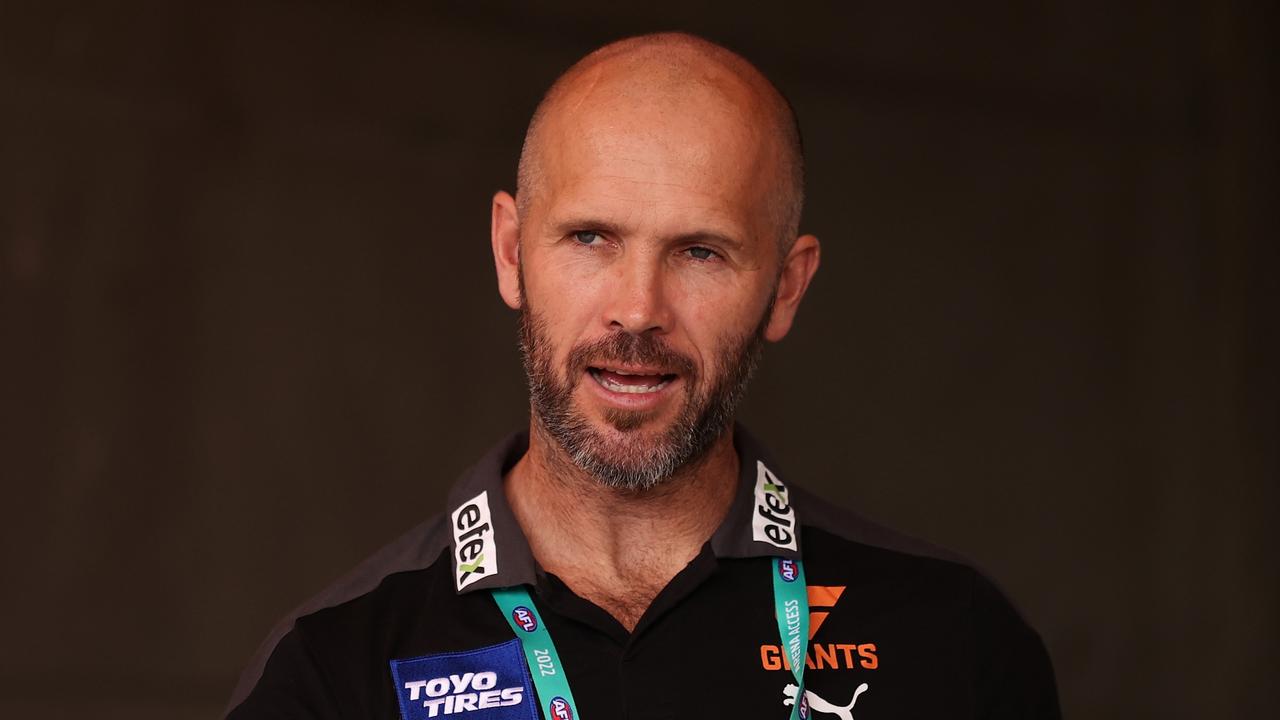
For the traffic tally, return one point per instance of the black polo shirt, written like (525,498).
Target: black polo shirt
(897,628)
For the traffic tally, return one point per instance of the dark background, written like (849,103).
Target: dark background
(249,330)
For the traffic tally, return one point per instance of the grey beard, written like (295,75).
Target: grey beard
(634,464)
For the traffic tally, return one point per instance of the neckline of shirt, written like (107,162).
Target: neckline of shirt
(478,500)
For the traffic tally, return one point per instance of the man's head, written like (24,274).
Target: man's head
(674,68)
(651,248)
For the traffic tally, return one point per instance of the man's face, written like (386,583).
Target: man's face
(648,263)
(629,456)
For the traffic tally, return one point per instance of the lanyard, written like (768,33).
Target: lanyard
(539,652)
(790,604)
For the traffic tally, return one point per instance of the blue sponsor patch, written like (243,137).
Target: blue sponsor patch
(488,683)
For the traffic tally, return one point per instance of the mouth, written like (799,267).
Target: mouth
(631,381)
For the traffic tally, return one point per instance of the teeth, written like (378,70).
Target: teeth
(630,389)
(624,372)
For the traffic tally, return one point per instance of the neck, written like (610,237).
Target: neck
(618,548)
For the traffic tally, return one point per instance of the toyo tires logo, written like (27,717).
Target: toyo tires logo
(559,709)
(787,569)
(524,619)
(461,693)
(486,683)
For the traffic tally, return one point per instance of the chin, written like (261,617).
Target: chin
(633,423)
(630,448)
(635,459)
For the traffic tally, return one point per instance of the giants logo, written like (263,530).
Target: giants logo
(524,619)
(787,569)
(774,521)
(559,709)
(475,554)
(822,656)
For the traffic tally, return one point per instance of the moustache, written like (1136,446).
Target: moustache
(623,348)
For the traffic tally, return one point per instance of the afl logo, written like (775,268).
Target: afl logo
(559,708)
(804,705)
(787,569)
(524,619)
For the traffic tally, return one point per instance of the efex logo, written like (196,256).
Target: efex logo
(475,554)
(823,656)
(773,521)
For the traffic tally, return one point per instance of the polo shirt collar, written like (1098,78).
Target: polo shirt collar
(489,550)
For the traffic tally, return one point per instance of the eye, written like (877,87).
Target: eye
(701,253)
(586,237)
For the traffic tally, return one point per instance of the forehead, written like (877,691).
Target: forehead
(698,144)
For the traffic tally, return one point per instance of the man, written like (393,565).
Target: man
(635,554)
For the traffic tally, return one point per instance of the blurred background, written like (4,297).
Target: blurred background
(249,331)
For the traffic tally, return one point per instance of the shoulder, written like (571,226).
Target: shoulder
(844,543)
(916,594)
(857,529)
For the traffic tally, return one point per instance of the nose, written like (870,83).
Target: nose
(638,300)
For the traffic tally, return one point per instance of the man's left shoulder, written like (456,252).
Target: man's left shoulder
(843,547)
(892,615)
(832,532)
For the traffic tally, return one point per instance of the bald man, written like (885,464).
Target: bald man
(635,553)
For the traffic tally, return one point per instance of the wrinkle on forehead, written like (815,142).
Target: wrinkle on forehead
(674,91)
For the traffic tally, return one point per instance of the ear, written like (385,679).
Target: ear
(797,270)
(504,234)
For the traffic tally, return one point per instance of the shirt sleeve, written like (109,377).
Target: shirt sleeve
(292,687)
(1014,674)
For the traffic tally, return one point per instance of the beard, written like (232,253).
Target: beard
(629,458)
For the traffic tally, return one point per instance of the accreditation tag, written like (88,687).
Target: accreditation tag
(791,604)
(540,653)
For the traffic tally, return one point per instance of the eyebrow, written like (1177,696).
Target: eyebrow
(578,224)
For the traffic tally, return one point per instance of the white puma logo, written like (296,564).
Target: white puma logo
(816,703)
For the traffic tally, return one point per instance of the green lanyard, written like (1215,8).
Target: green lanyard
(790,603)
(539,652)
